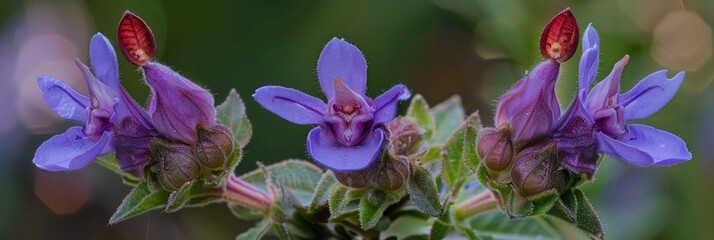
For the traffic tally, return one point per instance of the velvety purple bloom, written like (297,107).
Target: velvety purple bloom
(531,107)
(575,140)
(637,144)
(177,106)
(349,136)
(107,105)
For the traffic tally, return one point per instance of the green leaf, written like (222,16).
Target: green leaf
(562,229)
(340,198)
(432,154)
(496,225)
(193,194)
(452,154)
(470,153)
(109,161)
(322,192)
(231,113)
(372,206)
(281,231)
(422,191)
(573,207)
(299,178)
(441,227)
(419,111)
(244,212)
(139,200)
(405,226)
(447,115)
(256,232)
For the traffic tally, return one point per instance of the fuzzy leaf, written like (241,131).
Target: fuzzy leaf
(470,154)
(372,206)
(432,154)
(573,207)
(138,201)
(281,231)
(448,115)
(245,213)
(407,225)
(322,192)
(496,225)
(452,154)
(422,191)
(299,178)
(441,227)
(193,194)
(340,198)
(231,113)
(419,111)
(109,161)
(256,232)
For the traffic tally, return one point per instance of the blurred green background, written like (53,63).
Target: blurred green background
(474,48)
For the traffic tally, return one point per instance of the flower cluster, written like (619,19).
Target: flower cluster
(175,141)
(180,151)
(537,149)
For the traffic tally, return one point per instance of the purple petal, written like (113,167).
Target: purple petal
(385,106)
(601,97)
(587,70)
(290,104)
(589,60)
(590,38)
(104,61)
(70,150)
(177,105)
(646,146)
(531,106)
(650,94)
(99,93)
(340,59)
(340,158)
(62,99)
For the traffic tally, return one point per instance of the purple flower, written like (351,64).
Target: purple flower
(530,106)
(637,144)
(349,136)
(107,105)
(178,107)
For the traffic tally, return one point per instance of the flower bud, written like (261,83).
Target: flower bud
(131,141)
(177,106)
(240,192)
(536,170)
(136,40)
(213,147)
(495,147)
(560,37)
(173,163)
(405,137)
(531,107)
(387,174)
(575,139)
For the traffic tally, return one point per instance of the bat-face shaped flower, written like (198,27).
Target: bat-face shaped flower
(103,112)
(349,136)
(638,144)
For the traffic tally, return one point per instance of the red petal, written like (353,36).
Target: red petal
(136,40)
(560,37)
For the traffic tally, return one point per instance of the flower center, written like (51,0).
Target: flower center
(97,123)
(349,123)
